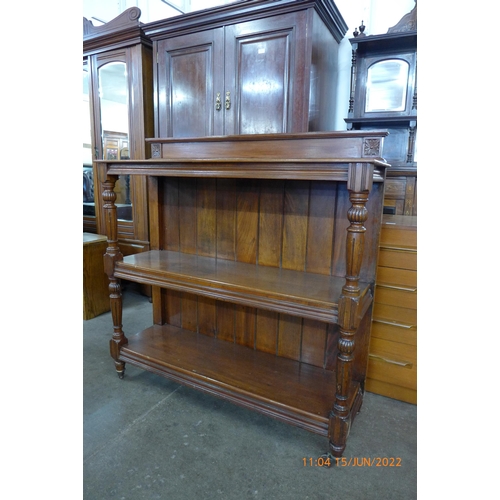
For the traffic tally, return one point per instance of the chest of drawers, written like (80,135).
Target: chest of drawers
(392,365)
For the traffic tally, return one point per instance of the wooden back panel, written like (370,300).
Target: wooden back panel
(292,224)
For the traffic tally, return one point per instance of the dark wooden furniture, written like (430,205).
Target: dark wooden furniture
(392,367)
(89,224)
(247,67)
(384,95)
(95,281)
(122,40)
(262,265)
(401,194)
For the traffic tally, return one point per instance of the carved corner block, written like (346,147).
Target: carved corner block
(109,262)
(360,177)
(372,147)
(155,150)
(115,345)
(349,313)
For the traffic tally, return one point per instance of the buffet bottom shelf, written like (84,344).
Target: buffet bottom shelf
(285,389)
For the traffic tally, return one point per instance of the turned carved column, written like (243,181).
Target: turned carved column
(353,81)
(111,256)
(359,183)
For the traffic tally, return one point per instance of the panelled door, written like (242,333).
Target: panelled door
(246,78)
(190,85)
(265,64)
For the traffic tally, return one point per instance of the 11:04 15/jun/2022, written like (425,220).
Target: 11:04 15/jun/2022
(352,462)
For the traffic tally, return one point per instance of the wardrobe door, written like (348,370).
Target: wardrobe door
(112,128)
(190,85)
(266,75)
(89,215)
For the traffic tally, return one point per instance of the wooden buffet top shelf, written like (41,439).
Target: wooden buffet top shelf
(249,168)
(280,387)
(298,293)
(320,156)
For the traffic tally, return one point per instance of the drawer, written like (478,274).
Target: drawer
(397,237)
(394,353)
(391,391)
(396,296)
(393,276)
(395,188)
(392,373)
(396,233)
(398,258)
(399,205)
(395,332)
(396,315)
(393,362)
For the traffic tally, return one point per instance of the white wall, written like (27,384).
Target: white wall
(378,16)
(151,10)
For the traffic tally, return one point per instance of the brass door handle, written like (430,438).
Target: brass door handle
(218,102)
(228,100)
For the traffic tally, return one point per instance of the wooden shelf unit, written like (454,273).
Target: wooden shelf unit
(279,387)
(262,266)
(307,295)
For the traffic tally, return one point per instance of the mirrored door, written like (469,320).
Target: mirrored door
(88,174)
(114,127)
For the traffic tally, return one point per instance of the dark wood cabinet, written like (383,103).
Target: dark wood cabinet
(262,266)
(119,60)
(401,194)
(384,96)
(247,68)
(244,68)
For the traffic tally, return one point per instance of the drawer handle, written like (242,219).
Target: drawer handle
(391,361)
(394,287)
(399,249)
(393,323)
